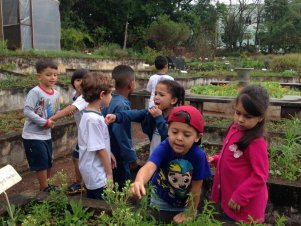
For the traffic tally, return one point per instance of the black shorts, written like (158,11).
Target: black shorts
(38,154)
(76,152)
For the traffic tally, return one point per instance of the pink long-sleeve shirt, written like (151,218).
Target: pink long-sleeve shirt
(242,176)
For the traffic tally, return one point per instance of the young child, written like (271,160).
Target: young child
(76,109)
(41,103)
(177,166)
(153,121)
(161,65)
(242,165)
(121,134)
(93,136)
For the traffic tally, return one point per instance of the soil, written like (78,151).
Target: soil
(64,164)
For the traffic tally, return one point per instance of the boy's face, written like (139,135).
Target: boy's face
(105,99)
(181,137)
(47,78)
(77,85)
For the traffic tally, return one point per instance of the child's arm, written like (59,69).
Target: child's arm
(106,162)
(29,110)
(67,111)
(143,176)
(196,190)
(130,115)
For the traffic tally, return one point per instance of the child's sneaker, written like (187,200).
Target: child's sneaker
(75,188)
(50,188)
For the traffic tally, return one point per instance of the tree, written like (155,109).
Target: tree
(167,33)
(235,21)
(281,29)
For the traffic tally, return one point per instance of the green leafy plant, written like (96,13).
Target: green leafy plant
(285,155)
(77,215)
(123,213)
(275,90)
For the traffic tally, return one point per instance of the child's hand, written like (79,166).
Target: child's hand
(50,124)
(155,111)
(113,161)
(234,206)
(110,118)
(181,217)
(137,189)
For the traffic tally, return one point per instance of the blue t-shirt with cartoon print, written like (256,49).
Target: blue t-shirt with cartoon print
(174,174)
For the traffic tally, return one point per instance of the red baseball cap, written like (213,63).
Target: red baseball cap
(189,115)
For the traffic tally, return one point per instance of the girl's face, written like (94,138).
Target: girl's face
(243,119)
(181,137)
(77,83)
(163,98)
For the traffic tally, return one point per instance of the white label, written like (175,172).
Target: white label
(8,178)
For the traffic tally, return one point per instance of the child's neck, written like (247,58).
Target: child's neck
(94,106)
(162,71)
(166,112)
(46,88)
(123,92)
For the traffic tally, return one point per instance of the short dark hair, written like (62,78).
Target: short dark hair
(160,62)
(78,74)
(93,84)
(123,75)
(42,64)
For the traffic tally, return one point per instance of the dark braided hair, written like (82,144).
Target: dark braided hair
(175,89)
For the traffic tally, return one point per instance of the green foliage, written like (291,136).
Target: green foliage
(274,89)
(29,81)
(77,216)
(111,50)
(207,66)
(206,217)
(123,213)
(285,155)
(166,33)
(286,62)
(3,46)
(73,39)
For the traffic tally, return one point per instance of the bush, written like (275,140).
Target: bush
(286,62)
(73,39)
(111,50)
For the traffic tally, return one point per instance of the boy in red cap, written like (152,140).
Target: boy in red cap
(177,166)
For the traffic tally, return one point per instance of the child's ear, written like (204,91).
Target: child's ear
(199,136)
(174,101)
(131,85)
(102,94)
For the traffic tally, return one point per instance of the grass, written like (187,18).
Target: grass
(29,81)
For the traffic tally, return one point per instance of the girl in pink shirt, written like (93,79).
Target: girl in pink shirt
(242,166)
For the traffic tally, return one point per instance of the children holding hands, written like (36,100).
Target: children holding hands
(153,120)
(41,103)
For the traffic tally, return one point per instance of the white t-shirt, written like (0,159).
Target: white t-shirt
(80,104)
(151,85)
(93,135)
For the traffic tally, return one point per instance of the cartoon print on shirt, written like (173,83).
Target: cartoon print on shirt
(39,109)
(237,153)
(178,181)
